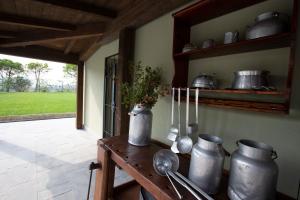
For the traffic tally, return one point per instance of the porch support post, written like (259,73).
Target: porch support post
(79,110)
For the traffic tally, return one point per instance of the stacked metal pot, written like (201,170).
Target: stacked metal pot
(253,171)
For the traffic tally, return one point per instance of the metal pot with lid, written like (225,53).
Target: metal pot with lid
(267,24)
(205,81)
(253,172)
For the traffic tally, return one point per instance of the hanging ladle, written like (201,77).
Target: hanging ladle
(173,131)
(193,127)
(185,143)
(174,145)
(166,163)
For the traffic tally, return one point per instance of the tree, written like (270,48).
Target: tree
(21,84)
(8,69)
(70,70)
(38,69)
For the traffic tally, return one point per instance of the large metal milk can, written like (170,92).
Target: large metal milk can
(253,172)
(140,126)
(207,162)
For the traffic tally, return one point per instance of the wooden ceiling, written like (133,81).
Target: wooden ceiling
(71,30)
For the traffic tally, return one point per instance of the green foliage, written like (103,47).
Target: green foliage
(145,88)
(37,69)
(21,84)
(8,69)
(70,70)
(28,103)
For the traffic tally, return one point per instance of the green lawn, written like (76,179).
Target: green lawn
(27,103)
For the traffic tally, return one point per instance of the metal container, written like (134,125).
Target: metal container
(205,81)
(208,43)
(207,162)
(140,126)
(267,24)
(231,37)
(253,172)
(251,79)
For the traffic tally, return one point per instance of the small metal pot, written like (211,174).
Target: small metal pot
(231,37)
(140,126)
(208,43)
(205,81)
(267,24)
(251,80)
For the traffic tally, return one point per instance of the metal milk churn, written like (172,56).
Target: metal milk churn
(140,126)
(253,172)
(207,162)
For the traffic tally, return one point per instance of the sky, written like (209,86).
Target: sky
(55,74)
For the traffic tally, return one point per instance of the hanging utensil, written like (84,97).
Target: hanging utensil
(193,127)
(185,143)
(173,131)
(174,145)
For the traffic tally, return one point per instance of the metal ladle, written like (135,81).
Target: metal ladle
(193,127)
(185,143)
(173,131)
(174,145)
(166,163)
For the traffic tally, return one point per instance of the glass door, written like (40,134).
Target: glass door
(109,96)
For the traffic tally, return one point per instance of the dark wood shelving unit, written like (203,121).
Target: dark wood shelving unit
(270,42)
(205,10)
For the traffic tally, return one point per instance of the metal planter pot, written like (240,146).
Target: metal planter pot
(207,162)
(140,126)
(253,172)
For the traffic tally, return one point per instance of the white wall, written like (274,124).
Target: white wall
(154,47)
(94,88)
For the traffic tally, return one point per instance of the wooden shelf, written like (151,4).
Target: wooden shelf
(234,91)
(264,43)
(210,9)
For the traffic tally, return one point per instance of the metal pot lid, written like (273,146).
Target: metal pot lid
(251,72)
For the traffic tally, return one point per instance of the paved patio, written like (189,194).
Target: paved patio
(46,159)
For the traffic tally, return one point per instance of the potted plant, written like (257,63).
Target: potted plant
(141,95)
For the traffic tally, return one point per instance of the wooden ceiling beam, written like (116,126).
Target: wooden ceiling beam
(134,16)
(104,13)
(35,22)
(45,37)
(42,53)
(69,46)
(7,34)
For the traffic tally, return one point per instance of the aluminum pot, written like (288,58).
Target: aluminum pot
(207,161)
(267,24)
(140,126)
(205,81)
(251,79)
(253,172)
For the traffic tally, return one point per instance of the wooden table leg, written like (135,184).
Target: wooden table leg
(105,175)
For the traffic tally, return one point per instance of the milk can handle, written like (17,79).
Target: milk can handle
(274,155)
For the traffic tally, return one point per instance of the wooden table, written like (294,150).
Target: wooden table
(137,162)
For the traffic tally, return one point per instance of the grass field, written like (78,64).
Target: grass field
(28,103)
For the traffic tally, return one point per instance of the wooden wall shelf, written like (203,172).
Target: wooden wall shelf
(204,10)
(270,42)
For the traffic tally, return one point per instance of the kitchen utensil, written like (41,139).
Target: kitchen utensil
(253,172)
(193,127)
(208,43)
(251,80)
(173,131)
(231,37)
(185,143)
(189,47)
(207,162)
(163,161)
(267,24)
(140,126)
(194,186)
(204,81)
(174,145)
